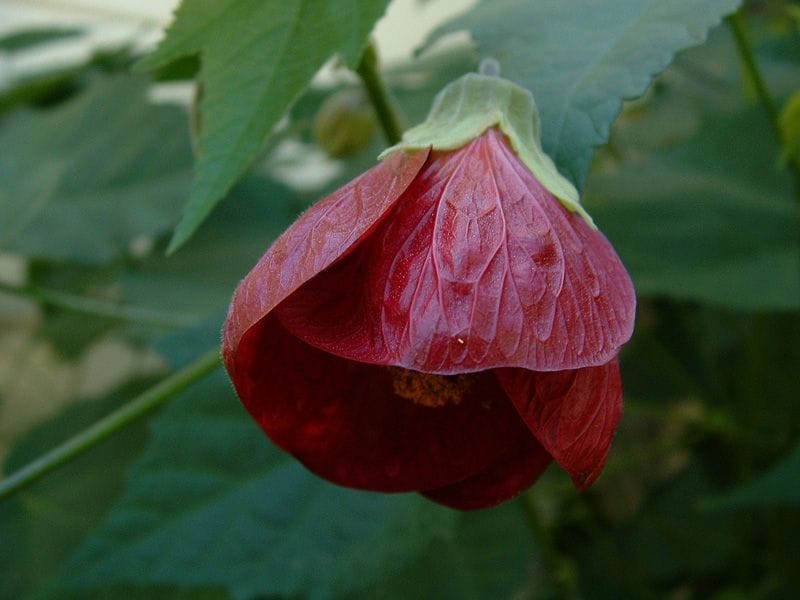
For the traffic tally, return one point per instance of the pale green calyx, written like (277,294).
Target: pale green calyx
(472,104)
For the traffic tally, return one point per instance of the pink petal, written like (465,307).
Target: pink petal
(343,420)
(324,233)
(478,267)
(574,414)
(506,477)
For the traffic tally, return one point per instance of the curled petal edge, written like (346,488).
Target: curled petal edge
(574,414)
(323,234)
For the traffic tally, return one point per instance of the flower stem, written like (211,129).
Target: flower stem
(378,95)
(98,308)
(558,567)
(125,415)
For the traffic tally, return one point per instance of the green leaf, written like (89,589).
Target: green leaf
(711,220)
(257,57)
(82,181)
(778,487)
(41,525)
(200,280)
(27,39)
(491,555)
(581,58)
(183,289)
(211,502)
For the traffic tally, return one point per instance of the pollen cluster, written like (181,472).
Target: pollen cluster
(428,389)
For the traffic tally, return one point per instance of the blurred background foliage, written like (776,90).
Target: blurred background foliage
(695,188)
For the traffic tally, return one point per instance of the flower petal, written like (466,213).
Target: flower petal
(506,477)
(574,414)
(345,422)
(325,232)
(478,267)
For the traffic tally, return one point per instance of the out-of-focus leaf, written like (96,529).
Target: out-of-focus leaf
(27,39)
(211,502)
(790,129)
(82,303)
(72,333)
(41,525)
(711,220)
(581,58)
(189,288)
(53,84)
(778,487)
(46,88)
(82,181)
(181,347)
(253,70)
(667,540)
(201,278)
(491,555)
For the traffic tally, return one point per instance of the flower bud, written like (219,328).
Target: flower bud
(344,124)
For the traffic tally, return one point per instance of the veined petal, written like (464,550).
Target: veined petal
(348,422)
(477,267)
(574,414)
(324,233)
(514,471)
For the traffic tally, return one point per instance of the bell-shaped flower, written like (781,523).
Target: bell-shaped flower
(446,323)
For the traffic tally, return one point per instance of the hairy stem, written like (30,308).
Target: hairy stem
(378,95)
(125,415)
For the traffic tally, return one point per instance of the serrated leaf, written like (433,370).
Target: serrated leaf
(581,58)
(211,502)
(711,220)
(257,57)
(81,181)
(777,487)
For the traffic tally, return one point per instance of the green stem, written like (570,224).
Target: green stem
(98,308)
(745,48)
(558,567)
(741,35)
(378,95)
(125,415)
(739,26)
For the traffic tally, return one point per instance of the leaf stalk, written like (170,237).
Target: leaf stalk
(98,308)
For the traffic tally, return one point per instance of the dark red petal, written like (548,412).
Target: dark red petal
(343,420)
(477,267)
(514,471)
(325,232)
(574,414)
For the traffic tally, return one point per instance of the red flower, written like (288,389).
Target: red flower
(441,324)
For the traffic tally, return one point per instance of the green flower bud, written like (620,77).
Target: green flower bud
(344,124)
